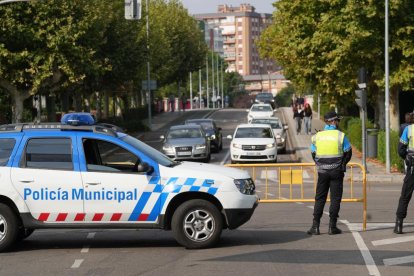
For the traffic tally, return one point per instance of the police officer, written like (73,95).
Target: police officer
(331,151)
(406,152)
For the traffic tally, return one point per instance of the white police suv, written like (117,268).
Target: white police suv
(79,174)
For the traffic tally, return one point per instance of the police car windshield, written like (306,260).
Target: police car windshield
(273,123)
(149,151)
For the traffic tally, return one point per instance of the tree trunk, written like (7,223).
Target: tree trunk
(77,98)
(394,109)
(64,98)
(380,109)
(106,105)
(98,105)
(17,107)
(51,108)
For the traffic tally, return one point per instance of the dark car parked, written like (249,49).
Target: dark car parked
(213,132)
(265,97)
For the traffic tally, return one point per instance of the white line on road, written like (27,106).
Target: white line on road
(393,240)
(77,263)
(399,260)
(85,249)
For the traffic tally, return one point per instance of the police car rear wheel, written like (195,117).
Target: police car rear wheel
(8,227)
(197,224)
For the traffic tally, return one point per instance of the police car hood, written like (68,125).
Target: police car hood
(201,170)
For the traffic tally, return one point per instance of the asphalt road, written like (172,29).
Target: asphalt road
(273,242)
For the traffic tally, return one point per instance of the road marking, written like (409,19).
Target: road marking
(306,174)
(375,226)
(77,263)
(398,261)
(85,249)
(271,175)
(393,240)
(366,254)
(91,235)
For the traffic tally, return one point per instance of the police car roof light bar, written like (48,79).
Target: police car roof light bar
(13,128)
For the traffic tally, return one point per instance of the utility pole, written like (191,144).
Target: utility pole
(222,84)
(207,94)
(218,79)
(148,68)
(387,96)
(199,87)
(212,78)
(191,91)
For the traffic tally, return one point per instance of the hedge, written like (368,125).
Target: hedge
(396,160)
(353,130)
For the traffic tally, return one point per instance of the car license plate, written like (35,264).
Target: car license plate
(253,153)
(183,153)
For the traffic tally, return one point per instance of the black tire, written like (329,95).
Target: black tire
(204,224)
(24,233)
(208,158)
(9,227)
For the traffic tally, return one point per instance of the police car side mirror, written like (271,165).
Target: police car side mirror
(145,168)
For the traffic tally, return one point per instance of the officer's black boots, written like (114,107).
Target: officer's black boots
(333,230)
(314,230)
(398,229)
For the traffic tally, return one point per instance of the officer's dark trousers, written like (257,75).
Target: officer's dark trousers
(406,193)
(332,180)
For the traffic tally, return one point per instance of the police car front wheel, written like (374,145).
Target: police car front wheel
(8,227)
(197,224)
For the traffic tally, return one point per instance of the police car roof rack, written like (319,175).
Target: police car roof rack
(13,128)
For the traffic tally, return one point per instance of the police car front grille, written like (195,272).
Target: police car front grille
(253,147)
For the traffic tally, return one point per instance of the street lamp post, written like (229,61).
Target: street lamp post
(387,96)
(148,67)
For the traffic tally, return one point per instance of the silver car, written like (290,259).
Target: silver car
(279,131)
(186,142)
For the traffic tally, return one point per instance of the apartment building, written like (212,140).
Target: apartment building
(232,32)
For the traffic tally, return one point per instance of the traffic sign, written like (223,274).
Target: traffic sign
(133,9)
(153,85)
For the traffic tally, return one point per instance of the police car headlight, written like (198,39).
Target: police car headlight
(200,147)
(237,146)
(245,186)
(269,146)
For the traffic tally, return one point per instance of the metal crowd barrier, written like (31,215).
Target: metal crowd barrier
(292,182)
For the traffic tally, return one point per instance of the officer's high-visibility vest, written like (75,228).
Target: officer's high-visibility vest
(329,143)
(410,132)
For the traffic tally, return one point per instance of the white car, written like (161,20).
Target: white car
(279,131)
(253,142)
(259,111)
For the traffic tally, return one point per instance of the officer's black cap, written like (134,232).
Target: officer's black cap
(331,116)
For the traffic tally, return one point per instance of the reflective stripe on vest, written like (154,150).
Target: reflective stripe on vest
(410,133)
(329,143)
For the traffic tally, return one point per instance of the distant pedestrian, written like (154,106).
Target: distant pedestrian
(331,151)
(298,115)
(184,101)
(406,152)
(408,120)
(308,119)
(218,101)
(171,101)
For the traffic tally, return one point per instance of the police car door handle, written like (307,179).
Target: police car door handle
(26,180)
(93,183)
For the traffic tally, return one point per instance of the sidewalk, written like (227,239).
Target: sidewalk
(376,172)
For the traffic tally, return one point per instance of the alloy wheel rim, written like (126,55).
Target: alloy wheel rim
(199,225)
(3,228)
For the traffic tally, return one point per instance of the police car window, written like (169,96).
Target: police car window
(48,153)
(6,148)
(103,156)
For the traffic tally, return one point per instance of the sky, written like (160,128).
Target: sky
(210,6)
